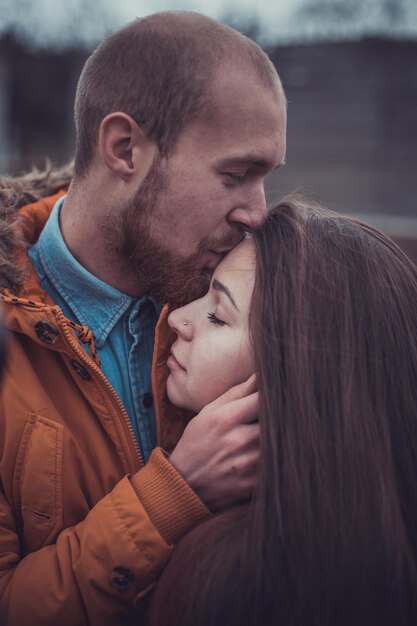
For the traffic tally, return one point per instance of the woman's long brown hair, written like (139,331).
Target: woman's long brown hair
(330,537)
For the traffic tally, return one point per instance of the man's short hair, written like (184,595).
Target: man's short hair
(158,70)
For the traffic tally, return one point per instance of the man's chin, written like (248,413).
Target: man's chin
(190,289)
(176,284)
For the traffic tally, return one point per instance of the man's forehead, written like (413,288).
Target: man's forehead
(246,126)
(249,109)
(231,81)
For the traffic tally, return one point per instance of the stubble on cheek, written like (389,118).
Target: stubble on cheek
(156,269)
(159,269)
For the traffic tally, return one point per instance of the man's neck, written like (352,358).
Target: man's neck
(81,228)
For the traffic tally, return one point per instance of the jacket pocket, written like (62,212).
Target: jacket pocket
(37,484)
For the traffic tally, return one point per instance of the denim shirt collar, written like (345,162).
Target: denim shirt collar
(95,303)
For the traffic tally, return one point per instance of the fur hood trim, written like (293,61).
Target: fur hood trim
(16,192)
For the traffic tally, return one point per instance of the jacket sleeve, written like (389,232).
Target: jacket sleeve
(97,571)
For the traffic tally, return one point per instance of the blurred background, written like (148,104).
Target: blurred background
(349,68)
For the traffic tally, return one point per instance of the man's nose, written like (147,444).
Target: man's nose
(252,210)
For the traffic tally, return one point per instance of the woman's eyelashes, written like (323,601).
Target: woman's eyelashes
(215,320)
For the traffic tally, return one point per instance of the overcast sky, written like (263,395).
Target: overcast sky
(63,23)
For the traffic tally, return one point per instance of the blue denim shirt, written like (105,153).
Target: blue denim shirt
(124,327)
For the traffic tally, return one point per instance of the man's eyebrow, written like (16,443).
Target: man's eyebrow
(216,284)
(252,159)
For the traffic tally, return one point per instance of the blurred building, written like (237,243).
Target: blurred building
(352,128)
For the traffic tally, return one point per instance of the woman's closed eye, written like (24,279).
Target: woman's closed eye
(215,320)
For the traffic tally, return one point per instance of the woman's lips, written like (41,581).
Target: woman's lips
(174,365)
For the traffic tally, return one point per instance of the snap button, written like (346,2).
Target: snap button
(121,578)
(80,369)
(161,361)
(147,400)
(46,331)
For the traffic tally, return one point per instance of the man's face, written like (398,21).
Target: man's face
(195,205)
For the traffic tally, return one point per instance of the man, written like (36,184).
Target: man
(178,121)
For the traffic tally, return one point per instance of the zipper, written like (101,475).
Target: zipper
(82,354)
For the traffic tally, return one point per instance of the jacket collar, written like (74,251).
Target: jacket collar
(91,301)
(33,304)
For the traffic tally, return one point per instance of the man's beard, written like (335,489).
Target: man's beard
(157,271)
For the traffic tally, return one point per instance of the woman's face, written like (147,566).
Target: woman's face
(212,351)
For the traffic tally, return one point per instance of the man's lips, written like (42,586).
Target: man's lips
(211,258)
(223,252)
(173,364)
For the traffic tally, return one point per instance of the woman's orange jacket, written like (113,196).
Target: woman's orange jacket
(84,528)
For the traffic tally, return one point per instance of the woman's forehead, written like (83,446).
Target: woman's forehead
(237,272)
(242,257)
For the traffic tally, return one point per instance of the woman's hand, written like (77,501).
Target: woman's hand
(219,449)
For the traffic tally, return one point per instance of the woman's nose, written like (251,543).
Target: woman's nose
(177,320)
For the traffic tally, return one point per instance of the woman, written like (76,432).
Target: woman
(324,309)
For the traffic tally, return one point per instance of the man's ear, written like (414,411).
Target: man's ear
(124,146)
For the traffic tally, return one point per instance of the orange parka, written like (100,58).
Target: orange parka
(85,528)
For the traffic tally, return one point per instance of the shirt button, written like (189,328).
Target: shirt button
(80,369)
(121,578)
(46,331)
(147,400)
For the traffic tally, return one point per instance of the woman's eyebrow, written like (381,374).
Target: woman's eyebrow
(216,284)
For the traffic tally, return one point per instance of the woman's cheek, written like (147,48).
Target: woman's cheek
(219,376)
(223,361)
(247,360)
(202,387)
